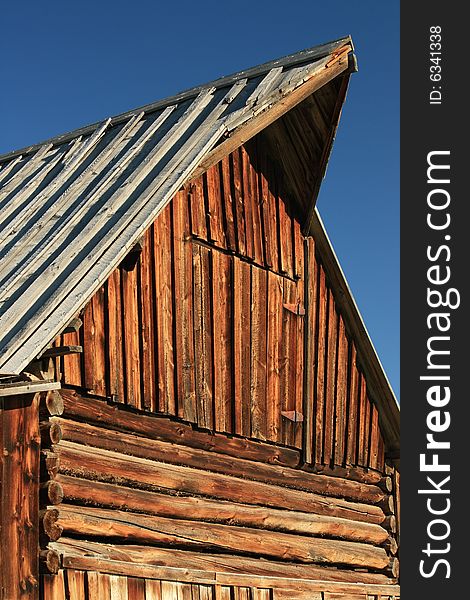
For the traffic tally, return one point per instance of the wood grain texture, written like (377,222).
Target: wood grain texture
(242,346)
(258,353)
(184,323)
(147,287)
(19,518)
(164,312)
(117,417)
(222,295)
(203,338)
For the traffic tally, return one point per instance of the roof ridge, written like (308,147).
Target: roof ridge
(303,56)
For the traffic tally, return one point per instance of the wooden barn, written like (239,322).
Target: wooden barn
(190,404)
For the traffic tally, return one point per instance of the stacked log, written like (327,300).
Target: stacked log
(149,497)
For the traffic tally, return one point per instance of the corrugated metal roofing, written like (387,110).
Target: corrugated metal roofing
(72,208)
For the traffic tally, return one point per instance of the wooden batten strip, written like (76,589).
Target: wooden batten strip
(83,433)
(119,418)
(105,465)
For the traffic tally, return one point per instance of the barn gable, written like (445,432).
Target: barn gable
(227,430)
(72,208)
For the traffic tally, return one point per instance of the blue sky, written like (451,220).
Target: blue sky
(68,65)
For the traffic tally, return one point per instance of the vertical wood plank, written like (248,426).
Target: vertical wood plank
(254,203)
(269,219)
(298,241)
(153,589)
(228,201)
(94,344)
(352,408)
(131,334)
(149,377)
(203,336)
(374,438)
(184,338)
(71,363)
(238,203)
(214,204)
(299,353)
(332,346)
(169,590)
(242,346)
(118,586)
(288,361)
(341,394)
(99,586)
(198,208)
(185,592)
(136,588)
(310,348)
(19,518)
(285,237)
(206,592)
(222,328)
(274,335)
(247,200)
(164,312)
(368,414)
(75,584)
(361,421)
(320,363)
(223,592)
(53,587)
(115,337)
(258,353)
(381,455)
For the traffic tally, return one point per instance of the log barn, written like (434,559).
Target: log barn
(190,404)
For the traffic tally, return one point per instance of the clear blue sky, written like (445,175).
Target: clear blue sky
(69,64)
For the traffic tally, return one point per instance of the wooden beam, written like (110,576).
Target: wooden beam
(117,497)
(119,417)
(27,387)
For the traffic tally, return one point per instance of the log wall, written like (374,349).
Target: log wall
(128,493)
(226,319)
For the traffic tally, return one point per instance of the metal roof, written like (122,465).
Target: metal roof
(71,208)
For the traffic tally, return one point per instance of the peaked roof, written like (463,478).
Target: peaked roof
(71,208)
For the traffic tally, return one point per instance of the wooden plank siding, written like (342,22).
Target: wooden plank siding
(227,319)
